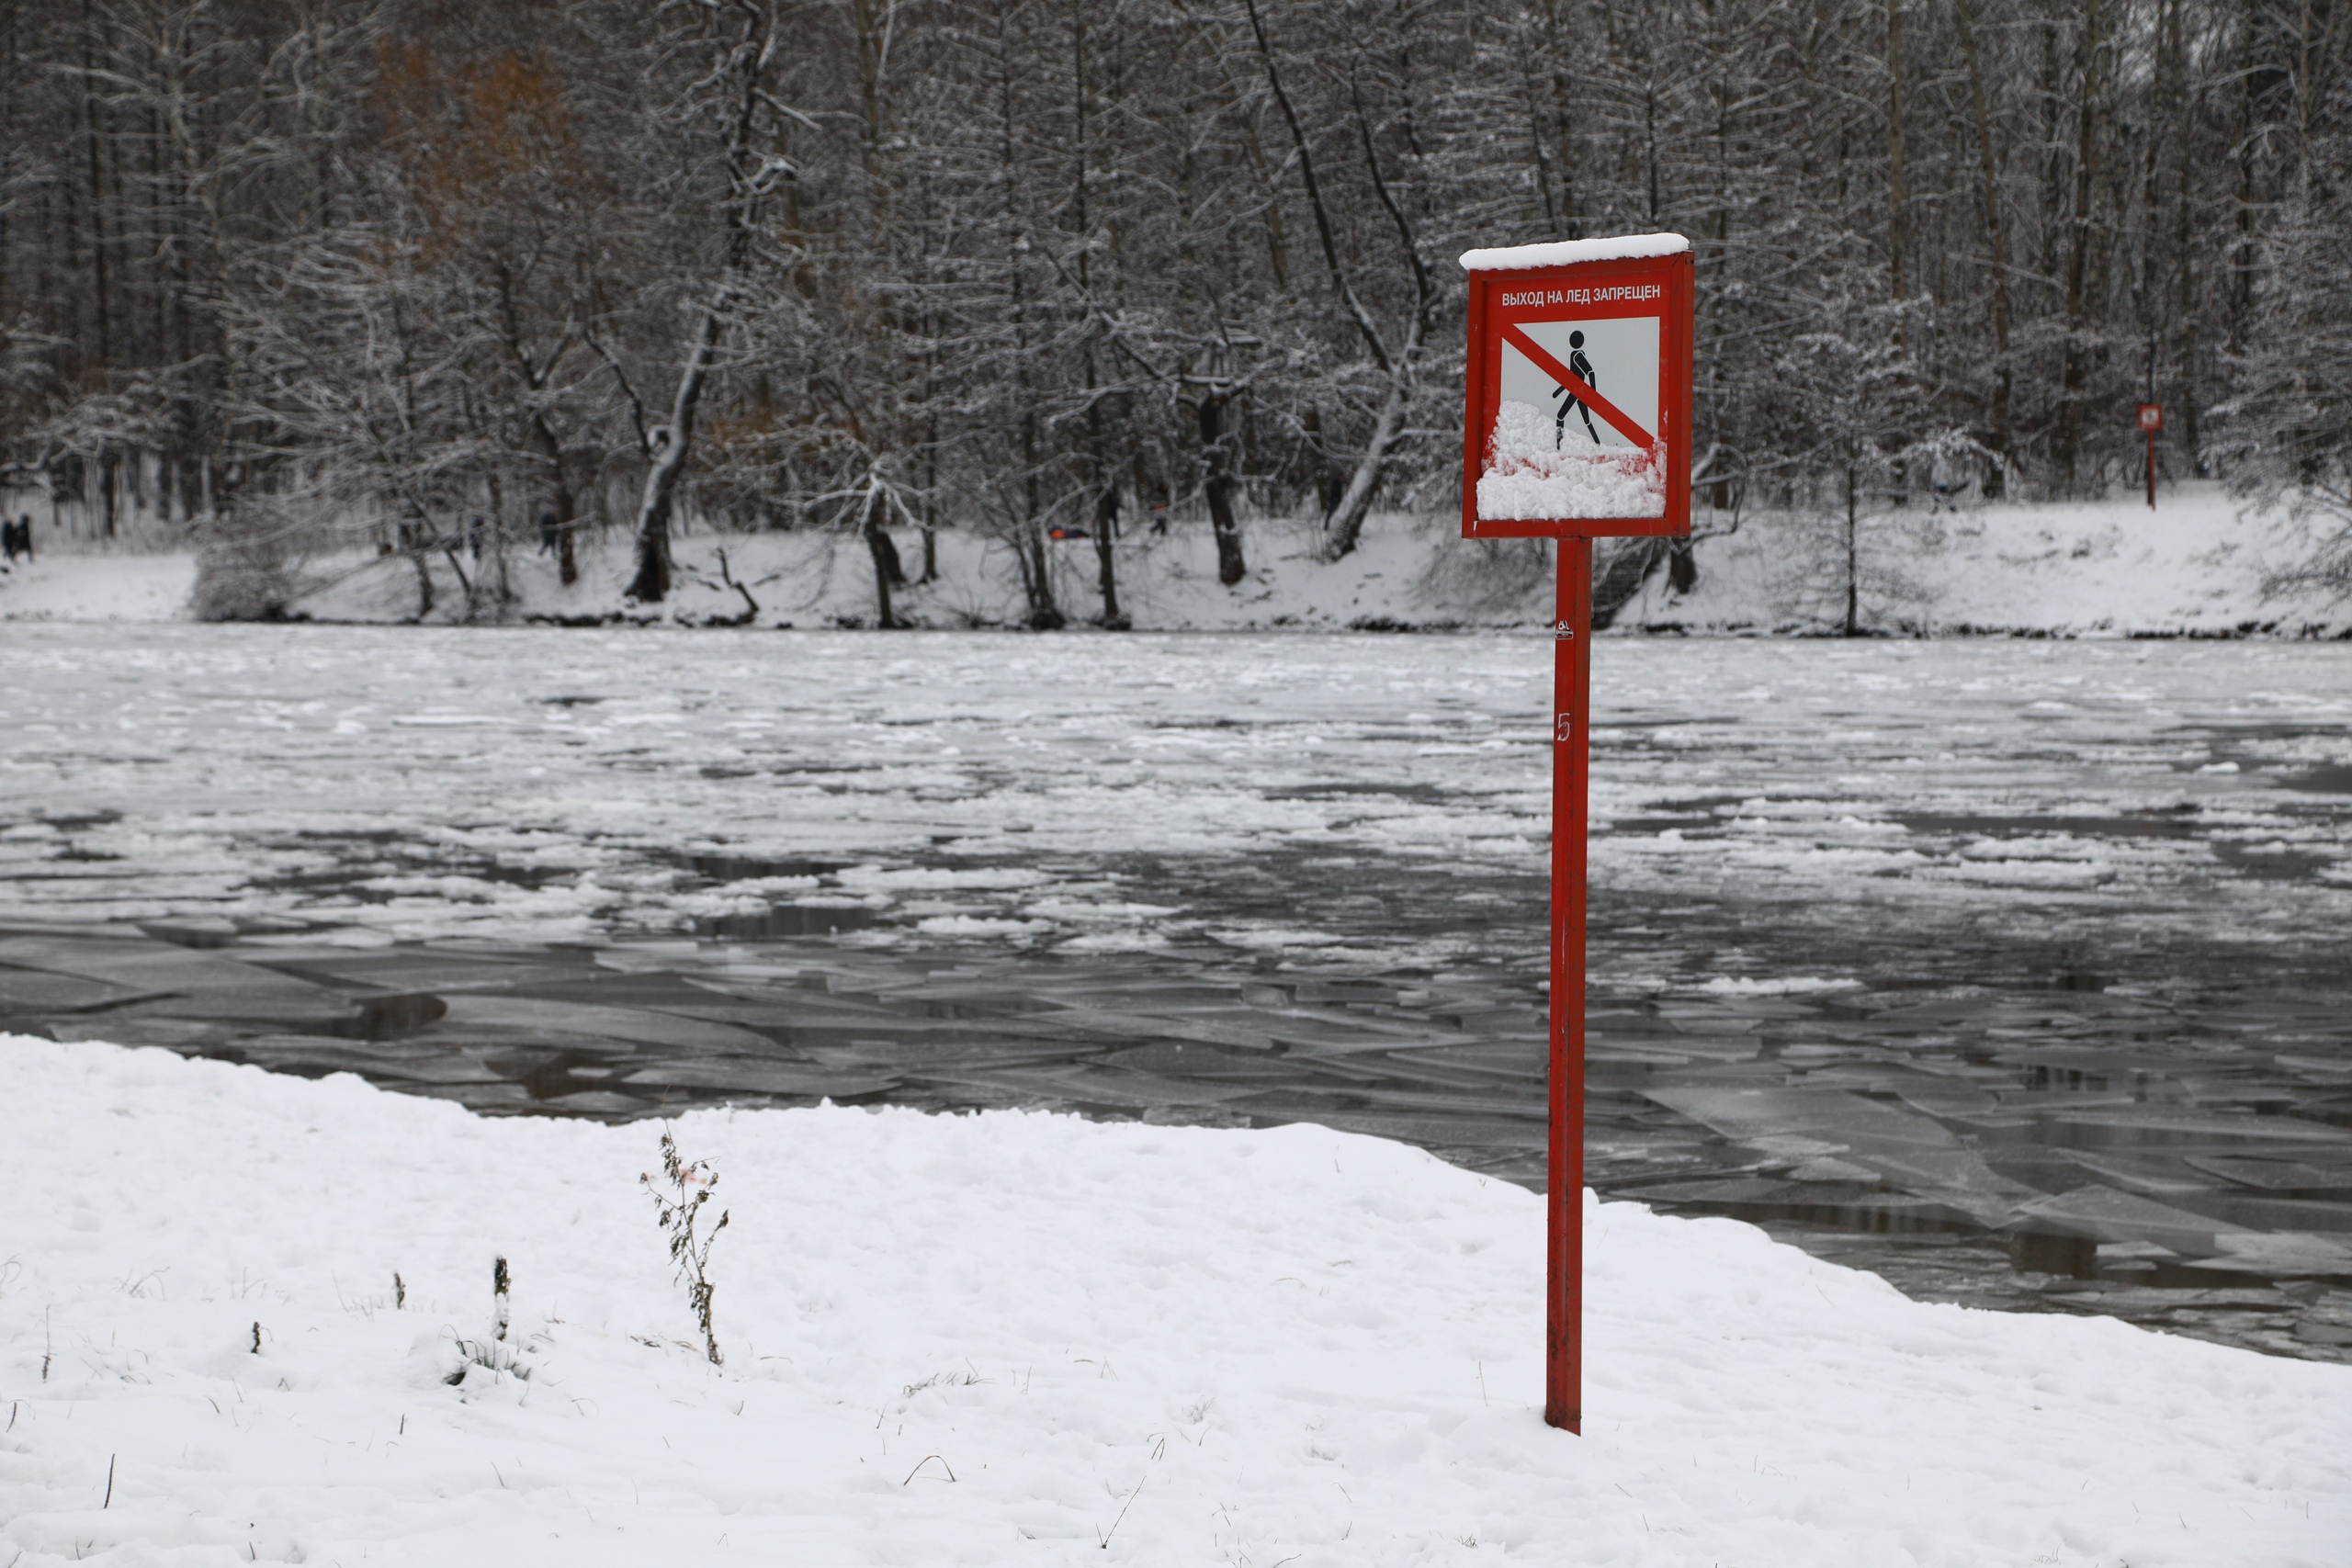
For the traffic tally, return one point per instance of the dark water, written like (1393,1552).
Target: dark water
(2127,1128)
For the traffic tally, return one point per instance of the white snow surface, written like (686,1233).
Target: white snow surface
(1527,478)
(2199,563)
(1568,252)
(98,587)
(1015,1337)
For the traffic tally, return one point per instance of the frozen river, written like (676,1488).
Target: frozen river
(2016,970)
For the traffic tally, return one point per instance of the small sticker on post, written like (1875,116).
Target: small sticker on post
(1563,631)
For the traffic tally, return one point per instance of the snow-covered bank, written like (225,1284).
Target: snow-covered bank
(1022,1338)
(2193,567)
(59,587)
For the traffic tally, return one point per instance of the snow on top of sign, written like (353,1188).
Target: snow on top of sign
(1566,253)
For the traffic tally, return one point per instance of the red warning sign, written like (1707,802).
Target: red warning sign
(1577,410)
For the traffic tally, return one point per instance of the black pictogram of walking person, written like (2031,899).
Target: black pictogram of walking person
(1581,369)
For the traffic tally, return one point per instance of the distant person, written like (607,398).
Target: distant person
(475,533)
(1580,368)
(550,530)
(20,538)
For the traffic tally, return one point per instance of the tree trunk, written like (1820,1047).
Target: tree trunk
(449,550)
(559,495)
(670,445)
(1996,242)
(1853,560)
(885,554)
(931,500)
(1328,485)
(1897,225)
(2072,362)
(1106,520)
(1346,523)
(498,541)
(1218,488)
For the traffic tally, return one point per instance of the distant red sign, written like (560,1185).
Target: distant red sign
(1577,410)
(2152,416)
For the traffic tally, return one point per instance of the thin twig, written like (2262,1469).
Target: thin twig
(926,1459)
(1123,1515)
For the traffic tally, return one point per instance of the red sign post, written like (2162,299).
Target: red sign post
(2152,419)
(1577,426)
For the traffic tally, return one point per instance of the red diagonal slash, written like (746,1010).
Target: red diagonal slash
(1578,389)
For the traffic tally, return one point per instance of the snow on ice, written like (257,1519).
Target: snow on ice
(654,781)
(1018,1337)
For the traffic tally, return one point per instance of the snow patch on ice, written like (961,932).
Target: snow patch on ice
(1267,938)
(979,926)
(1785,986)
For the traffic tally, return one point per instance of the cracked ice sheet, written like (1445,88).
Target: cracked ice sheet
(1910,1151)
(1015,1337)
(266,773)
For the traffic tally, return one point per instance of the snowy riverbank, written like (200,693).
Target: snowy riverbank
(1017,1337)
(2193,567)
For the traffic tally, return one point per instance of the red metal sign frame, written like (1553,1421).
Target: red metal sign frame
(1580,291)
(1577,290)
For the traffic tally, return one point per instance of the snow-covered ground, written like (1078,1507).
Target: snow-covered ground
(54,586)
(1022,1338)
(2193,566)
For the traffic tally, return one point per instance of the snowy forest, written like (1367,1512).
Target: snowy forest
(383,271)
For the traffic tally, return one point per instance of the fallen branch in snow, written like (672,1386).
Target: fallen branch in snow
(750,605)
